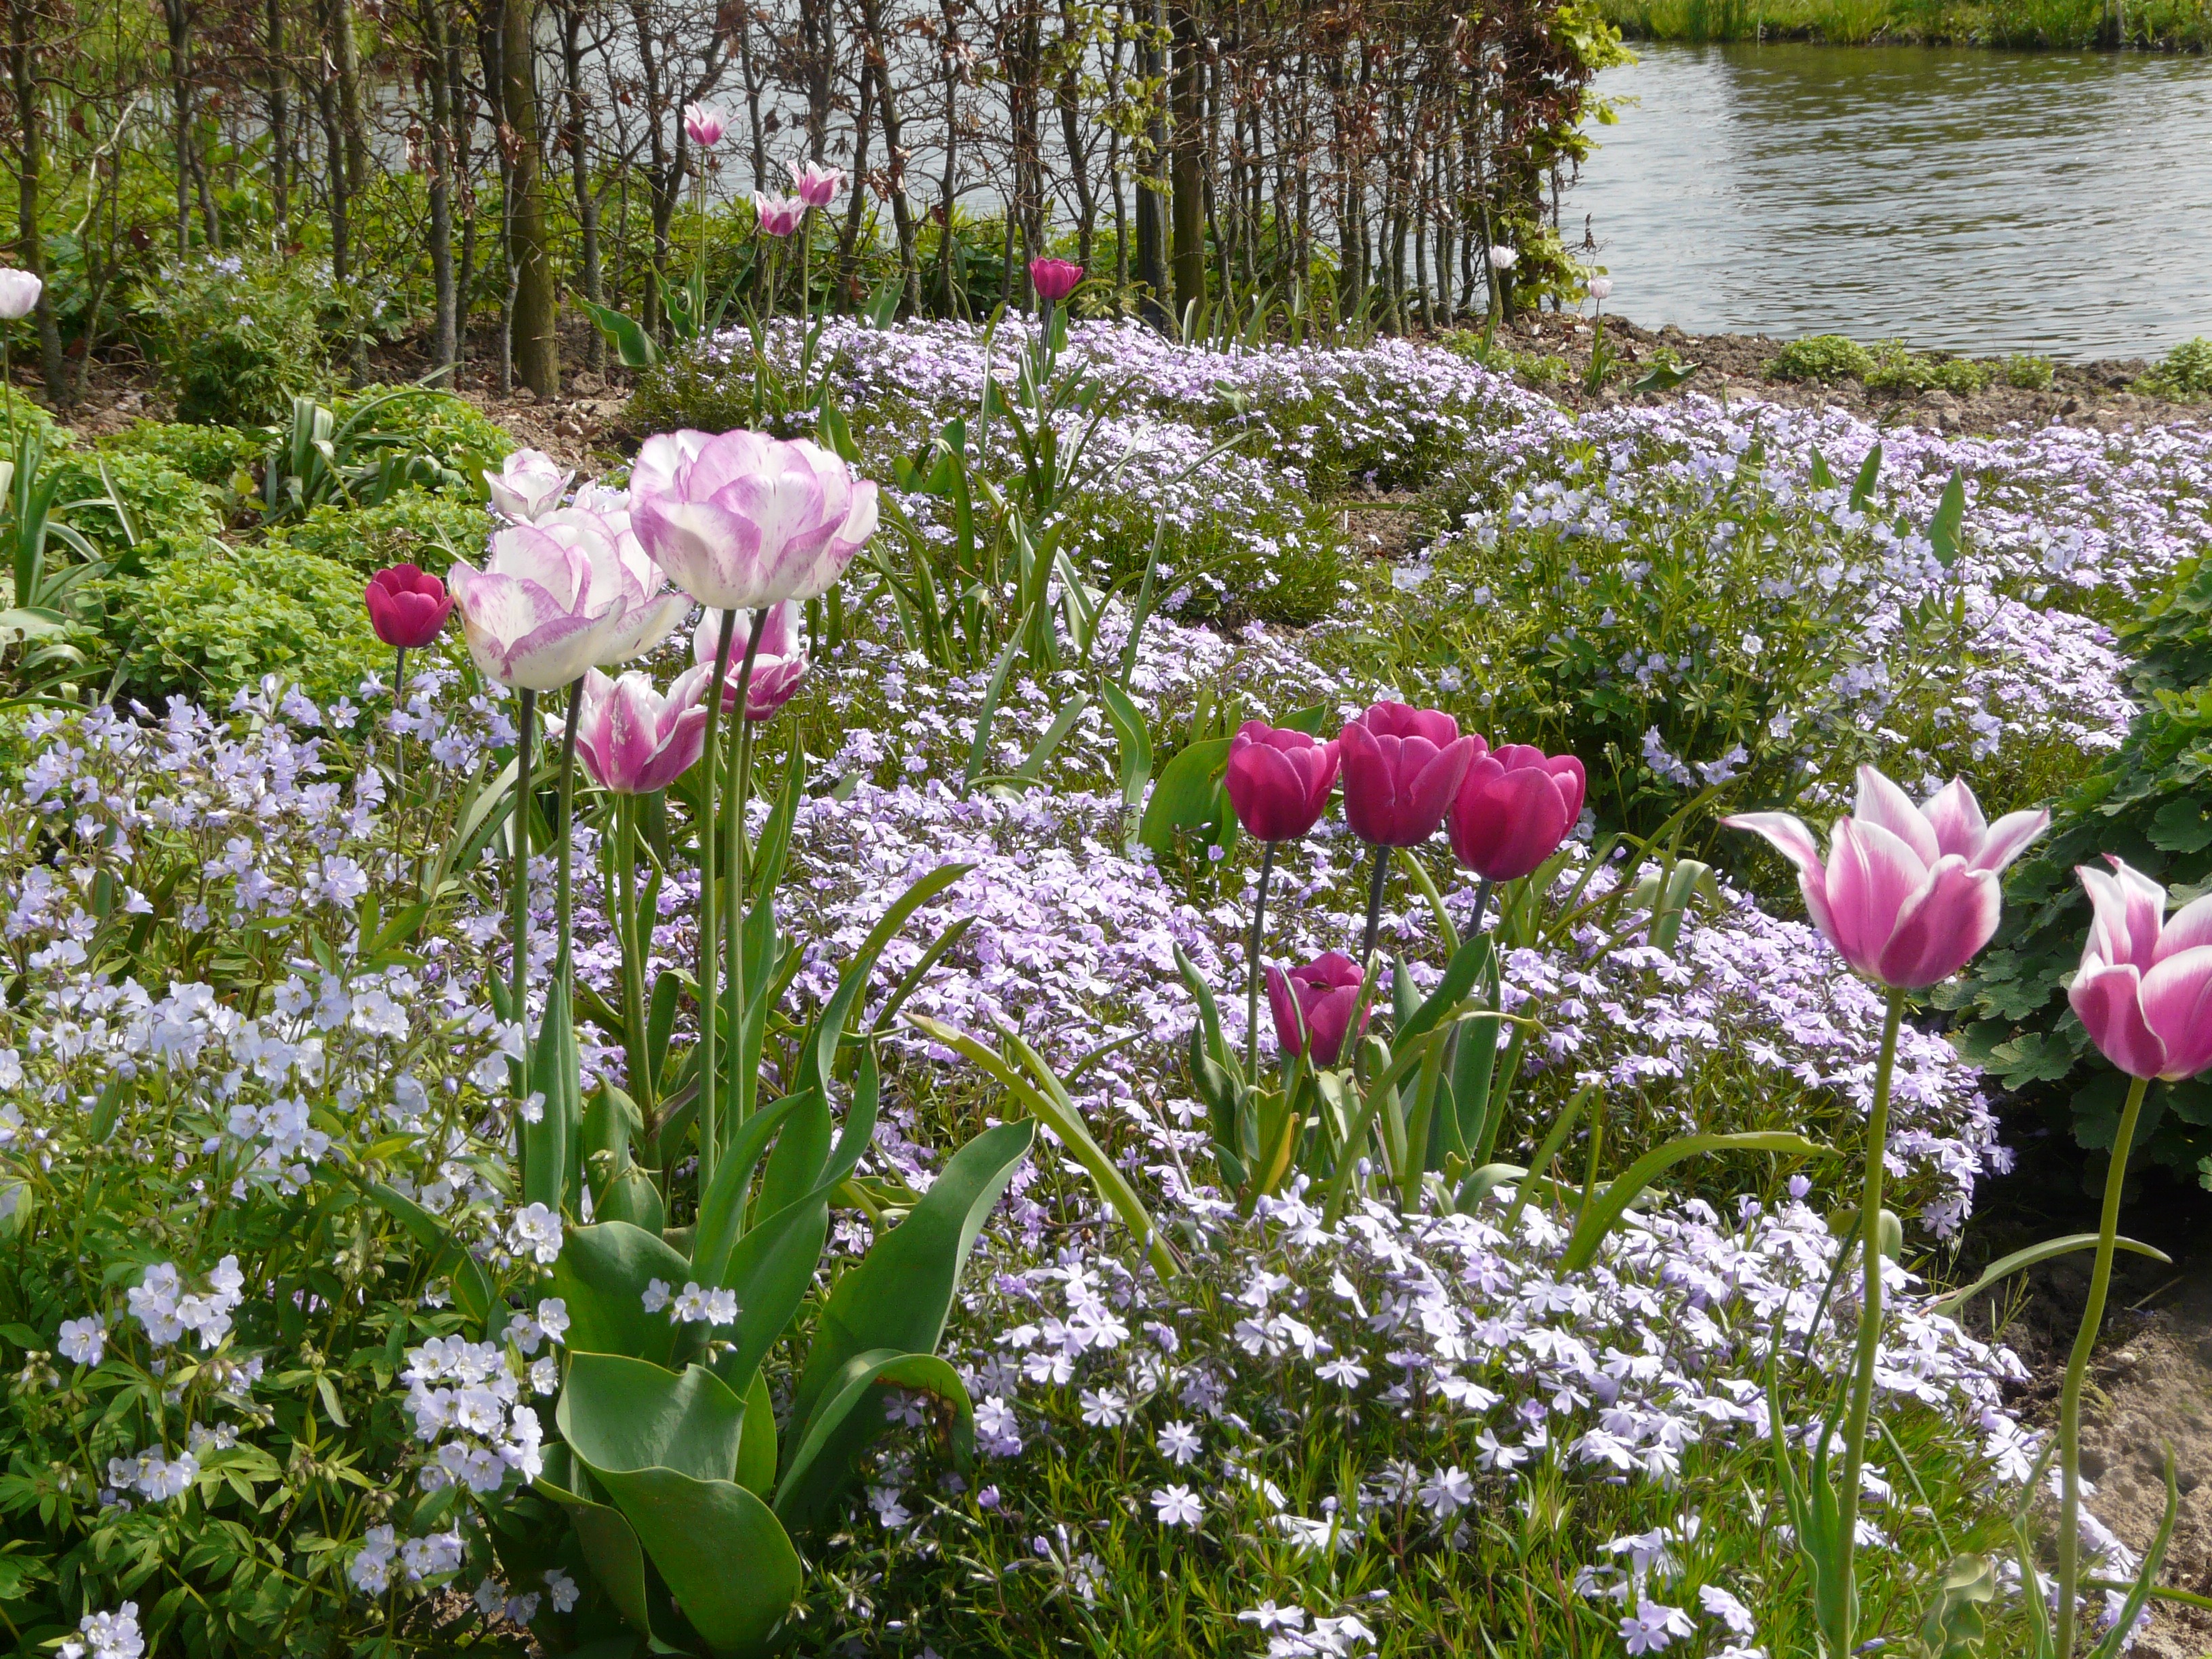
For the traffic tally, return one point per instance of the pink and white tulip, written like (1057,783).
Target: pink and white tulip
(815,185)
(632,739)
(529,483)
(702,125)
(2144,988)
(743,520)
(779,665)
(574,590)
(1909,895)
(779,216)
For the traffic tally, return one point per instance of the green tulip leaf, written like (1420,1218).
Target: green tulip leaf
(794,1168)
(757,1450)
(722,1211)
(549,1172)
(854,1415)
(1187,796)
(1607,1209)
(602,1274)
(610,1546)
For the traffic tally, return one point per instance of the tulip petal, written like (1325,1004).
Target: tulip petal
(2008,837)
(2177,1005)
(2110,1004)
(1943,926)
(1786,833)
(2186,928)
(1882,803)
(2128,912)
(1872,874)
(1956,817)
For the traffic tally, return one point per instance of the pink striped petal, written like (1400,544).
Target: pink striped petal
(2177,1004)
(1956,817)
(1943,926)
(2109,1002)
(2007,838)
(1883,804)
(1872,875)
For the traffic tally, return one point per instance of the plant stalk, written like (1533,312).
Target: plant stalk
(710,1127)
(563,886)
(639,1068)
(2077,1369)
(518,881)
(1252,968)
(737,858)
(1374,906)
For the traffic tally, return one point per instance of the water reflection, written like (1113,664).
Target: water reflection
(1974,200)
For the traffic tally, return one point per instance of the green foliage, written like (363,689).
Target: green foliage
(2029,373)
(420,527)
(2183,375)
(1823,357)
(212,454)
(213,619)
(453,433)
(1898,370)
(237,341)
(157,497)
(2151,804)
(1228,575)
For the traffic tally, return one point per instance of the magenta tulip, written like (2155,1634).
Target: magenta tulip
(1909,895)
(2144,989)
(743,521)
(815,185)
(779,216)
(407,606)
(1514,808)
(1313,1005)
(779,665)
(1278,781)
(633,740)
(1054,279)
(1402,767)
(702,125)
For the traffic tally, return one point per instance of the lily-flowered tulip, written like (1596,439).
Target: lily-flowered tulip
(778,667)
(19,293)
(1909,895)
(1402,766)
(528,484)
(1054,279)
(815,185)
(1313,1005)
(743,520)
(1278,781)
(1504,258)
(1513,810)
(2144,989)
(633,740)
(407,606)
(702,125)
(572,592)
(779,216)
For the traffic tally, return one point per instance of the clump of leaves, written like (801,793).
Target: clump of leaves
(2029,373)
(1826,358)
(1899,369)
(2182,374)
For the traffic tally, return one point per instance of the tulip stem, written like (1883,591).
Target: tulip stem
(1252,966)
(709,913)
(517,876)
(736,860)
(563,887)
(2077,1369)
(398,704)
(639,1063)
(1869,1342)
(1374,909)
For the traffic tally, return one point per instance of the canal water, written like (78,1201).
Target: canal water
(1986,201)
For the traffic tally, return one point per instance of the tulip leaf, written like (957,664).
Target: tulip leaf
(551,1175)
(610,1545)
(1607,1208)
(795,1166)
(1950,513)
(979,751)
(2005,1267)
(853,1415)
(1187,796)
(631,343)
(1135,739)
(911,980)
(770,1271)
(601,1275)
(900,1294)
(665,1447)
(1862,487)
(821,1055)
(722,1211)
(756,1447)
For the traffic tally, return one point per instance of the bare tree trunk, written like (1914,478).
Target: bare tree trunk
(878,70)
(280,127)
(536,347)
(30,168)
(444,342)
(1187,171)
(576,137)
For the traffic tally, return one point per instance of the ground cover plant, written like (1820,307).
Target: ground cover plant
(843,1044)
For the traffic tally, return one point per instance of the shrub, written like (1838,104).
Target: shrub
(159,499)
(2150,804)
(2184,374)
(2029,373)
(455,434)
(1897,369)
(214,619)
(417,526)
(237,341)
(1826,358)
(212,454)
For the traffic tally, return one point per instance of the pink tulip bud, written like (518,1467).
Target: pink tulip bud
(1515,807)
(2144,989)
(702,125)
(1314,1004)
(1600,288)
(1278,781)
(1054,279)
(1909,894)
(632,739)
(407,606)
(1402,767)
(779,216)
(779,665)
(815,185)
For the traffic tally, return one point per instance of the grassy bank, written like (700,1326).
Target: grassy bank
(2153,25)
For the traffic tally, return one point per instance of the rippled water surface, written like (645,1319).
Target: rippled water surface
(1974,200)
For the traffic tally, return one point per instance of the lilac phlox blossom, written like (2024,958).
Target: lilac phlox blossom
(1719,1603)
(1177,1506)
(106,1636)
(1653,1626)
(160,1303)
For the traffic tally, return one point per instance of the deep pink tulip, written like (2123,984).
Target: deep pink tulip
(407,606)
(632,739)
(816,185)
(1513,810)
(1402,767)
(1278,781)
(779,216)
(1054,279)
(1315,1001)
(1909,894)
(702,125)
(778,667)
(2144,989)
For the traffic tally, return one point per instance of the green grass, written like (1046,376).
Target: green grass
(2162,25)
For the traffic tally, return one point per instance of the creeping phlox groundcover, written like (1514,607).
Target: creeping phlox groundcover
(1450,1217)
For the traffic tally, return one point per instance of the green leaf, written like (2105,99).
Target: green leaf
(757,1449)
(1862,487)
(854,1415)
(2005,1267)
(549,1171)
(1135,739)
(630,342)
(1608,1206)
(472,1286)
(722,1211)
(602,1274)
(899,1296)
(665,1447)
(1950,513)
(979,751)
(1186,797)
